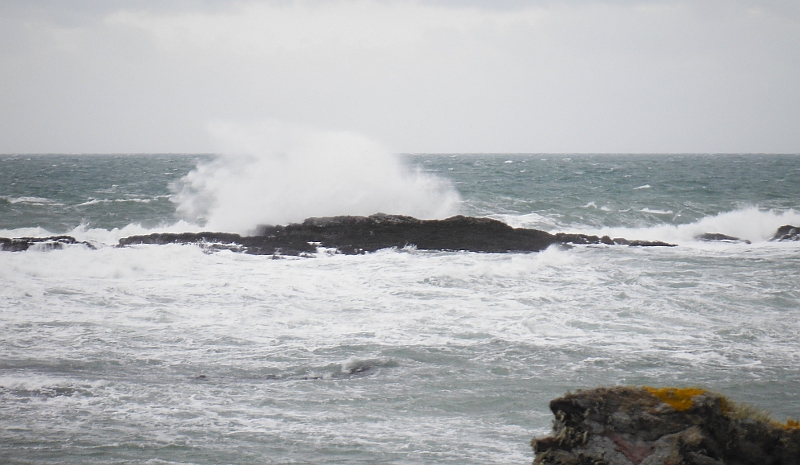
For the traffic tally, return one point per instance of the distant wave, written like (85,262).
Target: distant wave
(30,200)
(594,205)
(103,237)
(751,224)
(135,200)
(657,212)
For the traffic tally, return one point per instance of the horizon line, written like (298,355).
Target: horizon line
(405,153)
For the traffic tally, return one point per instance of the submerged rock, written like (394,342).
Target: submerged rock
(19,244)
(649,426)
(719,237)
(787,233)
(360,234)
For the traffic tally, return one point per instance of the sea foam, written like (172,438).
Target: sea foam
(753,224)
(275,173)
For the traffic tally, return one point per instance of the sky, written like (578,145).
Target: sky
(606,76)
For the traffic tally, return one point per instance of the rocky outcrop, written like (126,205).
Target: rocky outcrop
(667,426)
(20,244)
(787,233)
(360,234)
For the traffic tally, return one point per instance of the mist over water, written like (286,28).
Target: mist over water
(275,173)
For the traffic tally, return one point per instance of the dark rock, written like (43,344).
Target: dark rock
(648,426)
(359,369)
(20,244)
(787,233)
(719,237)
(360,234)
(257,245)
(622,241)
(584,239)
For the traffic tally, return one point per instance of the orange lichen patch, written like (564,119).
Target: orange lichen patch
(791,424)
(678,398)
(726,405)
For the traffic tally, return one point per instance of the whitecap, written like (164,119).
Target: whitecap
(752,224)
(32,200)
(657,212)
(93,202)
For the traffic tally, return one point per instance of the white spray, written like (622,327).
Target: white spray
(274,173)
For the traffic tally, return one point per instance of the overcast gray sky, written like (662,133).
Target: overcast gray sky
(417,76)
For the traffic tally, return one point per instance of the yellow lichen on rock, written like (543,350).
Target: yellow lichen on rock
(678,398)
(634,425)
(791,424)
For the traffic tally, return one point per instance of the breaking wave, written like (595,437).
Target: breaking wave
(274,173)
(751,224)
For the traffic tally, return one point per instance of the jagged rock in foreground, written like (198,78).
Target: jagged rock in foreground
(669,426)
(20,244)
(359,234)
(787,233)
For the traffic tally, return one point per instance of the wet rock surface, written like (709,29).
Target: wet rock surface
(719,237)
(787,233)
(21,244)
(360,234)
(669,426)
(211,241)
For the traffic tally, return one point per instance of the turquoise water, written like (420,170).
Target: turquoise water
(617,190)
(61,192)
(167,354)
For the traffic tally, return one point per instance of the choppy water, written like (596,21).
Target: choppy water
(165,354)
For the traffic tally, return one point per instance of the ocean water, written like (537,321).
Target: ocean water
(168,354)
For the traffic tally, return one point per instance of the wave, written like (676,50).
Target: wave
(30,200)
(93,201)
(753,224)
(604,208)
(274,173)
(656,212)
(103,237)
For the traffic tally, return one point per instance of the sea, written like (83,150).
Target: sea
(177,354)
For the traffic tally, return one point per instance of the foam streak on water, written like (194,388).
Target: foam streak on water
(395,356)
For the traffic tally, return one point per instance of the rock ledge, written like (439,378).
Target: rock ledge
(362,234)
